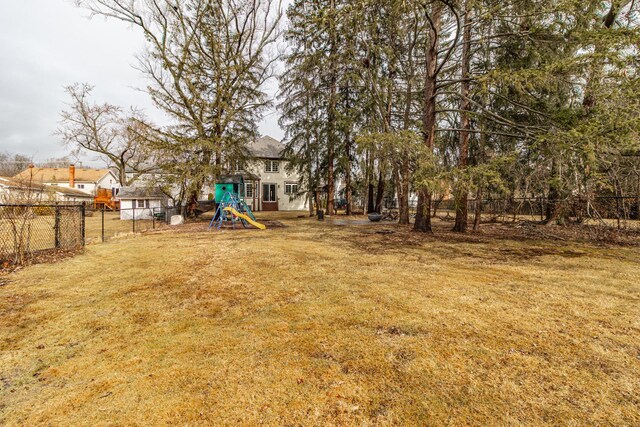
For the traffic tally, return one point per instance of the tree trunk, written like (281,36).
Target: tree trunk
(330,179)
(465,125)
(478,210)
(310,192)
(193,192)
(423,221)
(403,175)
(419,224)
(370,187)
(347,172)
(331,116)
(380,192)
(310,200)
(403,194)
(122,171)
(553,211)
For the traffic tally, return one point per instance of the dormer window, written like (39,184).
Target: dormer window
(271,166)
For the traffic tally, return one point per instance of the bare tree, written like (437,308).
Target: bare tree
(13,164)
(104,129)
(207,62)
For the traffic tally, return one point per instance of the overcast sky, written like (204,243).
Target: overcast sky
(47,44)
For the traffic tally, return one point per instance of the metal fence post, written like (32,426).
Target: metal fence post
(83,221)
(133,221)
(102,230)
(56,228)
(153,217)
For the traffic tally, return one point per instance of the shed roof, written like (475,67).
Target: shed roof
(140,193)
(62,174)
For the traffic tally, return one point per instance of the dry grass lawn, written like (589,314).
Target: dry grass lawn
(113,226)
(323,324)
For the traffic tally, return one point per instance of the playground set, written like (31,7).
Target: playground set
(232,208)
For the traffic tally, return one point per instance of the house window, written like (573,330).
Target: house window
(80,186)
(248,189)
(291,188)
(271,166)
(236,165)
(140,203)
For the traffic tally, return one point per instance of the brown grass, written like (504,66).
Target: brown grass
(324,324)
(113,226)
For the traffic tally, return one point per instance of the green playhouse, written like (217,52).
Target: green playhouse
(229,184)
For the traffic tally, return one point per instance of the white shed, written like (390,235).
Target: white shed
(140,203)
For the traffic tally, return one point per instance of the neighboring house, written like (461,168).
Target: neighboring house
(17,191)
(140,202)
(268,186)
(87,180)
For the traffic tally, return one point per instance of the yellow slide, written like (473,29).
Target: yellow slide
(245,217)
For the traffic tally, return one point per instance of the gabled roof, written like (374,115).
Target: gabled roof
(8,182)
(24,185)
(62,174)
(266,147)
(70,191)
(140,193)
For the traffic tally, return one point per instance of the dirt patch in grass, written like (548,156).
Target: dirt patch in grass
(201,225)
(40,257)
(315,324)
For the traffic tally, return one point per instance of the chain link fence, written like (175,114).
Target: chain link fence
(610,211)
(103,225)
(29,230)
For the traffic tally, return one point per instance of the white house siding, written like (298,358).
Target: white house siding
(127,210)
(11,195)
(74,199)
(280,178)
(87,187)
(109,181)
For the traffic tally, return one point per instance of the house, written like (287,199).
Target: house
(87,180)
(102,184)
(17,191)
(140,202)
(263,181)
